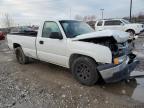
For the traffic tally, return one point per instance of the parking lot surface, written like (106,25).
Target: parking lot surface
(43,85)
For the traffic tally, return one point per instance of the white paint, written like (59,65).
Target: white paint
(123,27)
(59,51)
(118,35)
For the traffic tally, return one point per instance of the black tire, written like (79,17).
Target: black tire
(21,58)
(85,71)
(132,33)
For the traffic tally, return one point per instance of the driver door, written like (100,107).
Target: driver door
(49,49)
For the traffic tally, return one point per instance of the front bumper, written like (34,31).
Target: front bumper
(142,31)
(114,73)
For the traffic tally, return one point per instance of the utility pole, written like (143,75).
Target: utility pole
(70,13)
(130,10)
(102,12)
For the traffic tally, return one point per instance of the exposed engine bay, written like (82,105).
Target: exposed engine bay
(118,49)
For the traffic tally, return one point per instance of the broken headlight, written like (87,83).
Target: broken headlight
(119,60)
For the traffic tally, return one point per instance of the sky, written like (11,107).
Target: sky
(24,12)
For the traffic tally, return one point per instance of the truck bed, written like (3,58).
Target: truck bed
(27,40)
(25,33)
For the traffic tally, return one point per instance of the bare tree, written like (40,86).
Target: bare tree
(78,17)
(93,18)
(141,15)
(86,18)
(89,18)
(137,18)
(7,20)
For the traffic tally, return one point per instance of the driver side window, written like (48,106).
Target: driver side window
(49,28)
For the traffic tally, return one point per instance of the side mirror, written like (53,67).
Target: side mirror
(56,35)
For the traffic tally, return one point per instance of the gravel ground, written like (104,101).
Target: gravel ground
(43,85)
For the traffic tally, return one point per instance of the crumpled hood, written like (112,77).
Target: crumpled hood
(119,36)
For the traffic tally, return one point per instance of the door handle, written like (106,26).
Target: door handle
(41,42)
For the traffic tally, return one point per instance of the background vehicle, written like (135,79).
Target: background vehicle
(2,36)
(120,24)
(75,45)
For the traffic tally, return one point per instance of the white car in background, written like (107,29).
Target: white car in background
(120,24)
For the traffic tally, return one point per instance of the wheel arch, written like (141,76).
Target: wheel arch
(130,30)
(15,45)
(76,55)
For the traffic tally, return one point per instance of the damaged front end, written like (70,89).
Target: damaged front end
(123,60)
(116,72)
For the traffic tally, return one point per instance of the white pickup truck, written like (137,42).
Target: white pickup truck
(120,24)
(73,44)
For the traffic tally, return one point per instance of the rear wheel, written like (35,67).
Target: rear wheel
(85,71)
(21,58)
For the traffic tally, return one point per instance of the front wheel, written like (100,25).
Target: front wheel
(85,71)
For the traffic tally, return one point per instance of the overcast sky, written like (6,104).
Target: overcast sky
(32,11)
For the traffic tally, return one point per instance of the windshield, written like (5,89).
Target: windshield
(126,21)
(75,28)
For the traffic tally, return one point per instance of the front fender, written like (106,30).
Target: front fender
(99,53)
